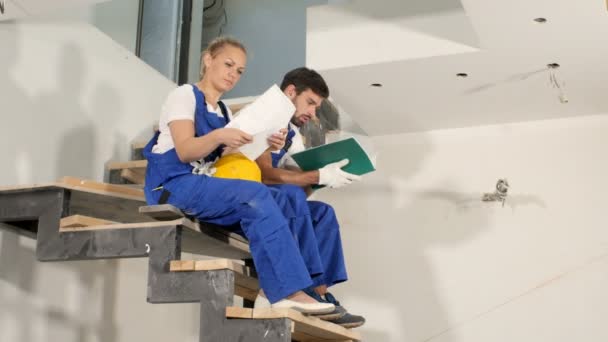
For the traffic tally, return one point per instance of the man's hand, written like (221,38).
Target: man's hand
(277,140)
(333,176)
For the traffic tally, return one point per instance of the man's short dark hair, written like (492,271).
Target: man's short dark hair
(304,78)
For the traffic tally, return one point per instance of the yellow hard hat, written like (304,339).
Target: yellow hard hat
(237,166)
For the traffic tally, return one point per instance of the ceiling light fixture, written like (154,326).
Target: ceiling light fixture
(462,75)
(377,85)
(540,20)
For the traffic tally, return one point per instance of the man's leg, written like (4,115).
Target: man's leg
(292,201)
(329,244)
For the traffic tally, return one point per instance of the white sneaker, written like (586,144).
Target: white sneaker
(307,308)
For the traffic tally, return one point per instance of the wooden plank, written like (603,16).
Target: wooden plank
(205,244)
(83,185)
(75,221)
(139,225)
(182,266)
(309,325)
(101,188)
(137,150)
(105,206)
(246,293)
(27,187)
(161,212)
(138,145)
(246,284)
(212,265)
(236,312)
(133,164)
(136,176)
(169,212)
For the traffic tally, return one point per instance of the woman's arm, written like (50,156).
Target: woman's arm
(190,148)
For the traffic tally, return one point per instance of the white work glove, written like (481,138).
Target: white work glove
(333,176)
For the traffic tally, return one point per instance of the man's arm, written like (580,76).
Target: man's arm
(272,175)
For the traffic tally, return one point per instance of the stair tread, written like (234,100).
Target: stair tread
(120,203)
(137,225)
(169,212)
(246,283)
(132,164)
(77,221)
(308,326)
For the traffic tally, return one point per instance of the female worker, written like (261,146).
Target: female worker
(191,138)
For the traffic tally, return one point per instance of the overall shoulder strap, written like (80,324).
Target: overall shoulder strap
(224,110)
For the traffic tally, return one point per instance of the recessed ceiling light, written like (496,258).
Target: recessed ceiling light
(462,75)
(540,20)
(377,85)
(553,65)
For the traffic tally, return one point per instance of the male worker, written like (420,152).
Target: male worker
(318,238)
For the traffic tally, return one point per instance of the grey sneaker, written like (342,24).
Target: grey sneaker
(337,313)
(348,320)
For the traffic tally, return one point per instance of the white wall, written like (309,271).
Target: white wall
(118,19)
(274,33)
(430,262)
(72,99)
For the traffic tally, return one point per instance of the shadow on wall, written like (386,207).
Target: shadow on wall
(16,160)
(80,123)
(59,126)
(63,108)
(80,304)
(390,231)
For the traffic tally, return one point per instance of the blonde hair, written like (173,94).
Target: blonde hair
(216,45)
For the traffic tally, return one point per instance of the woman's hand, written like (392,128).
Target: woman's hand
(233,137)
(277,140)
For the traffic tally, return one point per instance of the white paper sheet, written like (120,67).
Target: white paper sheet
(266,115)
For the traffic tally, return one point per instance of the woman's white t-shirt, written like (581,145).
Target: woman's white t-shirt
(180,105)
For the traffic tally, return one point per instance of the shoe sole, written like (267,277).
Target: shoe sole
(330,317)
(351,325)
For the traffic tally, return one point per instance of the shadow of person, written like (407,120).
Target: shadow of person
(17,111)
(106,105)
(391,239)
(16,260)
(63,108)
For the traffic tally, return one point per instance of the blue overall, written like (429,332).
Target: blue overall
(249,208)
(316,230)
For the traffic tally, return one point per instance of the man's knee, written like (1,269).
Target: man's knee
(321,208)
(296,193)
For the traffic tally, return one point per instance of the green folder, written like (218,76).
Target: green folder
(317,157)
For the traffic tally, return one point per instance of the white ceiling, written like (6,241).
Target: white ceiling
(416,48)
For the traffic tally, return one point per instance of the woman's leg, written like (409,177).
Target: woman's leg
(280,266)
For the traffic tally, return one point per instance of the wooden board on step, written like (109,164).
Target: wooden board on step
(131,172)
(246,283)
(164,212)
(304,328)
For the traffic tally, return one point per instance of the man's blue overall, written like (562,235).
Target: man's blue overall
(316,230)
(260,213)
